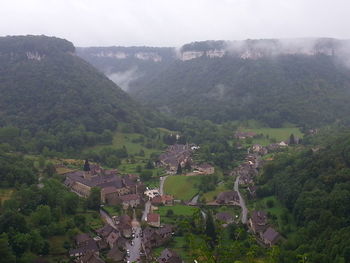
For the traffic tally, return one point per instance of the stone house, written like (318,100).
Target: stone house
(169,256)
(270,237)
(258,222)
(153,219)
(228,198)
(204,168)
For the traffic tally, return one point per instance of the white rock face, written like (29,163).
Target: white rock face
(34,56)
(148,56)
(216,53)
(188,55)
(109,54)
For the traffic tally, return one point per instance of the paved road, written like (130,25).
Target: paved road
(134,247)
(241,202)
(161,184)
(194,200)
(146,210)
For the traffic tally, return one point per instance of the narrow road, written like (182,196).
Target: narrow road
(194,200)
(161,184)
(146,210)
(134,247)
(241,202)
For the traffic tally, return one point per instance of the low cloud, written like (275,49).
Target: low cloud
(124,78)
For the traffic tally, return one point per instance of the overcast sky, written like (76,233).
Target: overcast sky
(173,22)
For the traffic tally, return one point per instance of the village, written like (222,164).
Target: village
(139,229)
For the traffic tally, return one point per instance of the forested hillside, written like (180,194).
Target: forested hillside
(315,186)
(305,90)
(301,81)
(49,93)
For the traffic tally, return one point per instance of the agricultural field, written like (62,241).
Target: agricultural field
(181,187)
(279,134)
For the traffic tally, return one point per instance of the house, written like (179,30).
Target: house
(228,198)
(162,200)
(155,237)
(174,155)
(112,185)
(204,168)
(270,237)
(108,194)
(82,239)
(90,257)
(244,135)
(169,256)
(130,200)
(258,149)
(153,219)
(116,254)
(258,221)
(283,144)
(124,225)
(85,244)
(224,217)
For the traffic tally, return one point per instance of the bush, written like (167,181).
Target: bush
(270,203)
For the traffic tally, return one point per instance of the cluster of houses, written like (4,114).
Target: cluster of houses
(258,224)
(181,155)
(123,190)
(88,248)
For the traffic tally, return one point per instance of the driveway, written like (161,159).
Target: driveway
(241,202)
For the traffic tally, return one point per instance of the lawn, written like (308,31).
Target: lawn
(181,187)
(112,210)
(179,210)
(56,245)
(5,194)
(280,134)
(129,140)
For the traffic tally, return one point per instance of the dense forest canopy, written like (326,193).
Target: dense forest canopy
(305,90)
(48,91)
(315,186)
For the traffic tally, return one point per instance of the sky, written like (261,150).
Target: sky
(173,22)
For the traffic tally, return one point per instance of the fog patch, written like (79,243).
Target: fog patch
(124,78)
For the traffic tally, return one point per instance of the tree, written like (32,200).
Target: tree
(210,230)
(42,215)
(188,166)
(146,175)
(149,165)
(291,139)
(50,169)
(179,169)
(5,250)
(169,213)
(94,199)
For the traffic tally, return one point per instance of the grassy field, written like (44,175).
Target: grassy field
(5,194)
(279,134)
(181,187)
(179,210)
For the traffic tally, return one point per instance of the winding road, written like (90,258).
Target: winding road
(241,202)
